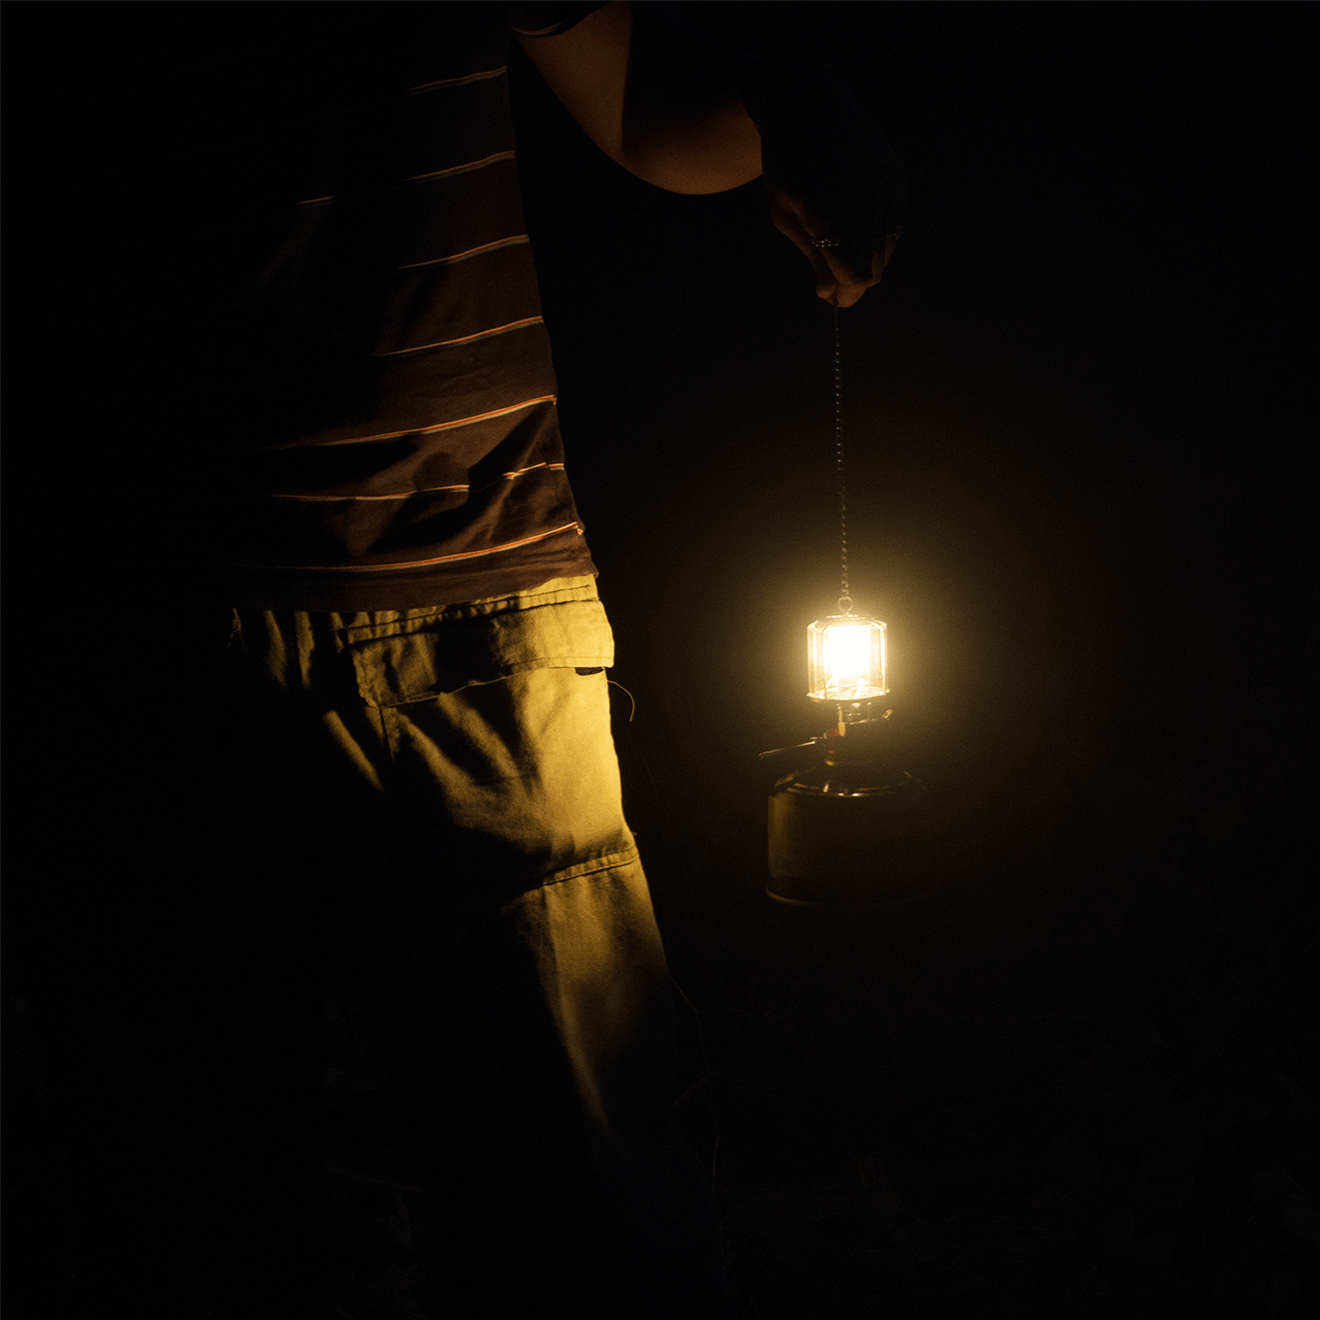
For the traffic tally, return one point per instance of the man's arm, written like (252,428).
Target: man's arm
(672,111)
(656,103)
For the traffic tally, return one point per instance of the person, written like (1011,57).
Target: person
(420,1046)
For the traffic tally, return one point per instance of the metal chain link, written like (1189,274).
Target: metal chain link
(845,600)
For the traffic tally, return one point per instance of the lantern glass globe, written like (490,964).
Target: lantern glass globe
(846,658)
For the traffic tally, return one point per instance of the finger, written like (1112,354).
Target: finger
(850,283)
(861,266)
(868,245)
(791,226)
(853,274)
(847,253)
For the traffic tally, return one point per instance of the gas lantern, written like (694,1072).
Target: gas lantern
(845,830)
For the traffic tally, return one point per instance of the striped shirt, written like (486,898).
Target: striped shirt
(379,379)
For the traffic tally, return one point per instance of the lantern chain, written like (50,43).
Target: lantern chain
(845,600)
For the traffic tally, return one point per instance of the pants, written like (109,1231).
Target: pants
(429,1059)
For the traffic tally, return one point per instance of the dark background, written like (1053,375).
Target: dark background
(1080,1077)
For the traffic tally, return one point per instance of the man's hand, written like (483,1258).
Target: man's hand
(836,189)
(668,109)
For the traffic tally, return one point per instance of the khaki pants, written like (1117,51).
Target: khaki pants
(433,854)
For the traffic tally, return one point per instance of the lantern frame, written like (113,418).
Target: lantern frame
(846,659)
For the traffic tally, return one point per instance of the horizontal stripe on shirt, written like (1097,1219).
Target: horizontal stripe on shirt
(428,490)
(471,252)
(456,82)
(386,276)
(420,563)
(467,339)
(461,169)
(468,167)
(440,426)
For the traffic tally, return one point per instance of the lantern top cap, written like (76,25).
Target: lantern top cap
(858,620)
